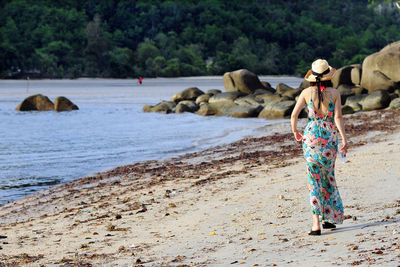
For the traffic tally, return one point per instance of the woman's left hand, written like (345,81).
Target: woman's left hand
(298,136)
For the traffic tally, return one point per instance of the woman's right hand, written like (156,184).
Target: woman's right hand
(344,147)
(298,135)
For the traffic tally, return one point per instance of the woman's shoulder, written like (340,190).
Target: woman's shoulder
(306,90)
(334,91)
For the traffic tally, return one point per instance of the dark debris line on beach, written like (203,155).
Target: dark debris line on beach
(249,151)
(252,150)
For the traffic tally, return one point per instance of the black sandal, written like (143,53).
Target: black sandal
(327,225)
(316,232)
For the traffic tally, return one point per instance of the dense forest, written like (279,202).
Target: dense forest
(105,38)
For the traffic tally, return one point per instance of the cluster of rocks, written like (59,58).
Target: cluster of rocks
(373,85)
(42,103)
(245,96)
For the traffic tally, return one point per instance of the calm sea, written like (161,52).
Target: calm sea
(41,149)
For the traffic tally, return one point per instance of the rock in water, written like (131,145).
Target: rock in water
(249,101)
(212,92)
(181,108)
(285,90)
(64,104)
(207,109)
(36,102)
(281,88)
(162,107)
(241,111)
(186,106)
(226,99)
(188,94)
(277,110)
(202,99)
(242,81)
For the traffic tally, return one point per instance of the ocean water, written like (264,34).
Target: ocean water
(42,149)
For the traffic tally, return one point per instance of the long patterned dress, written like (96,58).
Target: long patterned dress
(320,146)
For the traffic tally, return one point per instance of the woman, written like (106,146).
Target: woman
(320,144)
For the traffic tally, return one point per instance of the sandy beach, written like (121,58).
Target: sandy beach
(245,204)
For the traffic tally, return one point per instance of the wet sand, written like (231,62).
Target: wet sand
(244,203)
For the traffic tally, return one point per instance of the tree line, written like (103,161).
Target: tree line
(105,38)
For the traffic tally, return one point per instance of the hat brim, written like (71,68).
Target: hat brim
(312,78)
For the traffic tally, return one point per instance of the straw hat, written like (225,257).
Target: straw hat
(320,68)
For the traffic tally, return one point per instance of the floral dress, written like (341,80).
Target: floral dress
(320,145)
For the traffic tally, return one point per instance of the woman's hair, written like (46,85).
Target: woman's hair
(320,84)
(327,83)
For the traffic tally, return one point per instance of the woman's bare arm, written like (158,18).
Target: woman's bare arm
(339,122)
(301,102)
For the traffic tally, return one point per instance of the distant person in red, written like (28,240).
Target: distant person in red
(140,80)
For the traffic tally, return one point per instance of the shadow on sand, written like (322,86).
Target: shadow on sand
(360,226)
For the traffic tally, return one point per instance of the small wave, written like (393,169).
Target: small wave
(25,185)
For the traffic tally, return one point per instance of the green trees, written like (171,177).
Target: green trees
(128,38)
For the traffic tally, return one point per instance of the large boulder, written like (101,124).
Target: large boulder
(376,100)
(355,74)
(380,71)
(268,97)
(304,84)
(202,99)
(186,106)
(242,81)
(355,106)
(349,90)
(292,94)
(188,94)
(345,92)
(263,91)
(286,91)
(163,107)
(212,92)
(64,104)
(281,109)
(281,88)
(348,75)
(249,101)
(376,80)
(347,110)
(225,98)
(355,100)
(395,104)
(393,96)
(267,86)
(236,111)
(181,108)
(36,102)
(207,109)
(241,111)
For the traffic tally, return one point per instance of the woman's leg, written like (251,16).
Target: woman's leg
(316,225)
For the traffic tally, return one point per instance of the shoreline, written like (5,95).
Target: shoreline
(119,211)
(214,77)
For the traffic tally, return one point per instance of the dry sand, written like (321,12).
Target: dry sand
(241,204)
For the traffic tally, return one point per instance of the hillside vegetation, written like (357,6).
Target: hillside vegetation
(107,38)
